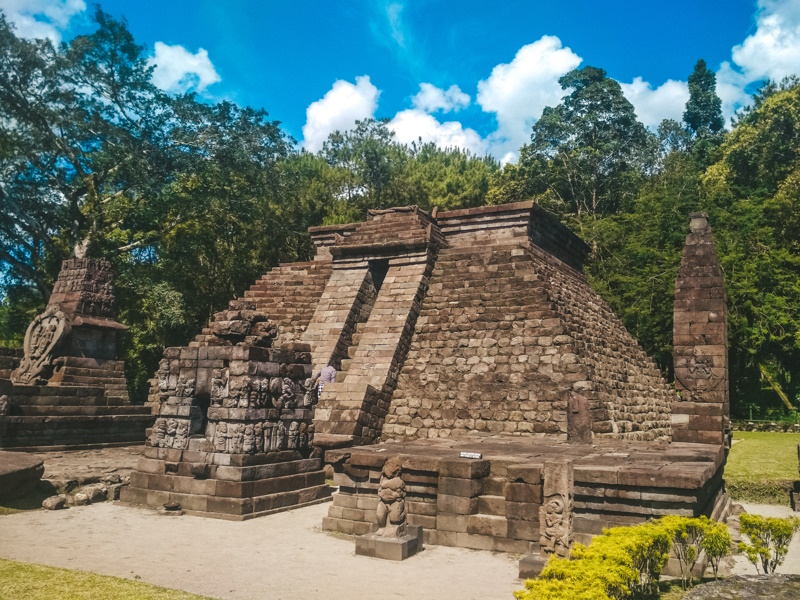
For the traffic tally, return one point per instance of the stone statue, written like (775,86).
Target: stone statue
(158,433)
(236,437)
(221,437)
(275,390)
(392,504)
(288,397)
(249,443)
(268,433)
(280,437)
(185,387)
(219,386)
(172,430)
(302,436)
(557,532)
(293,433)
(43,337)
(310,394)
(181,434)
(258,433)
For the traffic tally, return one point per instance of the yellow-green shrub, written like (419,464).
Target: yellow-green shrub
(686,535)
(625,562)
(769,540)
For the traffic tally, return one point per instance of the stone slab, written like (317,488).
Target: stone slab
(19,473)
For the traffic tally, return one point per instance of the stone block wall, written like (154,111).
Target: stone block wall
(512,339)
(458,502)
(489,353)
(529,496)
(628,396)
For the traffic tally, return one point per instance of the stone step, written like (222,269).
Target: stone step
(30,410)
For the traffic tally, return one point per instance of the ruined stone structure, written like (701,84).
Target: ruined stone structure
(701,342)
(464,331)
(67,388)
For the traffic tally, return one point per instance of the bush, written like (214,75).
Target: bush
(769,540)
(717,544)
(686,536)
(626,562)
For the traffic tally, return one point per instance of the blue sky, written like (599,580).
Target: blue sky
(459,73)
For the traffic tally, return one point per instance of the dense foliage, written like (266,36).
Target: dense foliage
(192,200)
(626,562)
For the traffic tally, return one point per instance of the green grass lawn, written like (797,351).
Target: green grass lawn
(35,582)
(762,466)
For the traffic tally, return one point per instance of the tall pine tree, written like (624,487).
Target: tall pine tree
(703,113)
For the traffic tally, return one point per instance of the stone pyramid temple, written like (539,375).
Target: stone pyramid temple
(66,388)
(469,346)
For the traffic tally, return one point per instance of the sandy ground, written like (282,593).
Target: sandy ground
(792,563)
(280,556)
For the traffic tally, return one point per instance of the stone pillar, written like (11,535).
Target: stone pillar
(556,530)
(555,518)
(700,342)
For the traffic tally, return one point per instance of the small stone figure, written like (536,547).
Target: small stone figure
(293,432)
(181,434)
(276,391)
(269,432)
(172,430)
(556,536)
(185,388)
(302,436)
(280,437)
(158,433)
(249,442)
(392,503)
(219,386)
(236,437)
(221,437)
(288,397)
(309,393)
(258,433)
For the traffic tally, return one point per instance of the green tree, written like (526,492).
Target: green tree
(589,154)
(704,108)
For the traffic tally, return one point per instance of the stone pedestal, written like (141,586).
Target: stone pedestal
(390,548)
(233,436)
(19,474)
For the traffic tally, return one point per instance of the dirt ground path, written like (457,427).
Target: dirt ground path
(280,556)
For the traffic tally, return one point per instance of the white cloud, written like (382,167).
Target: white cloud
(413,124)
(178,70)
(42,18)
(431,98)
(517,92)
(667,101)
(339,109)
(772,51)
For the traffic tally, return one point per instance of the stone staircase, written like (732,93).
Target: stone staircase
(287,295)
